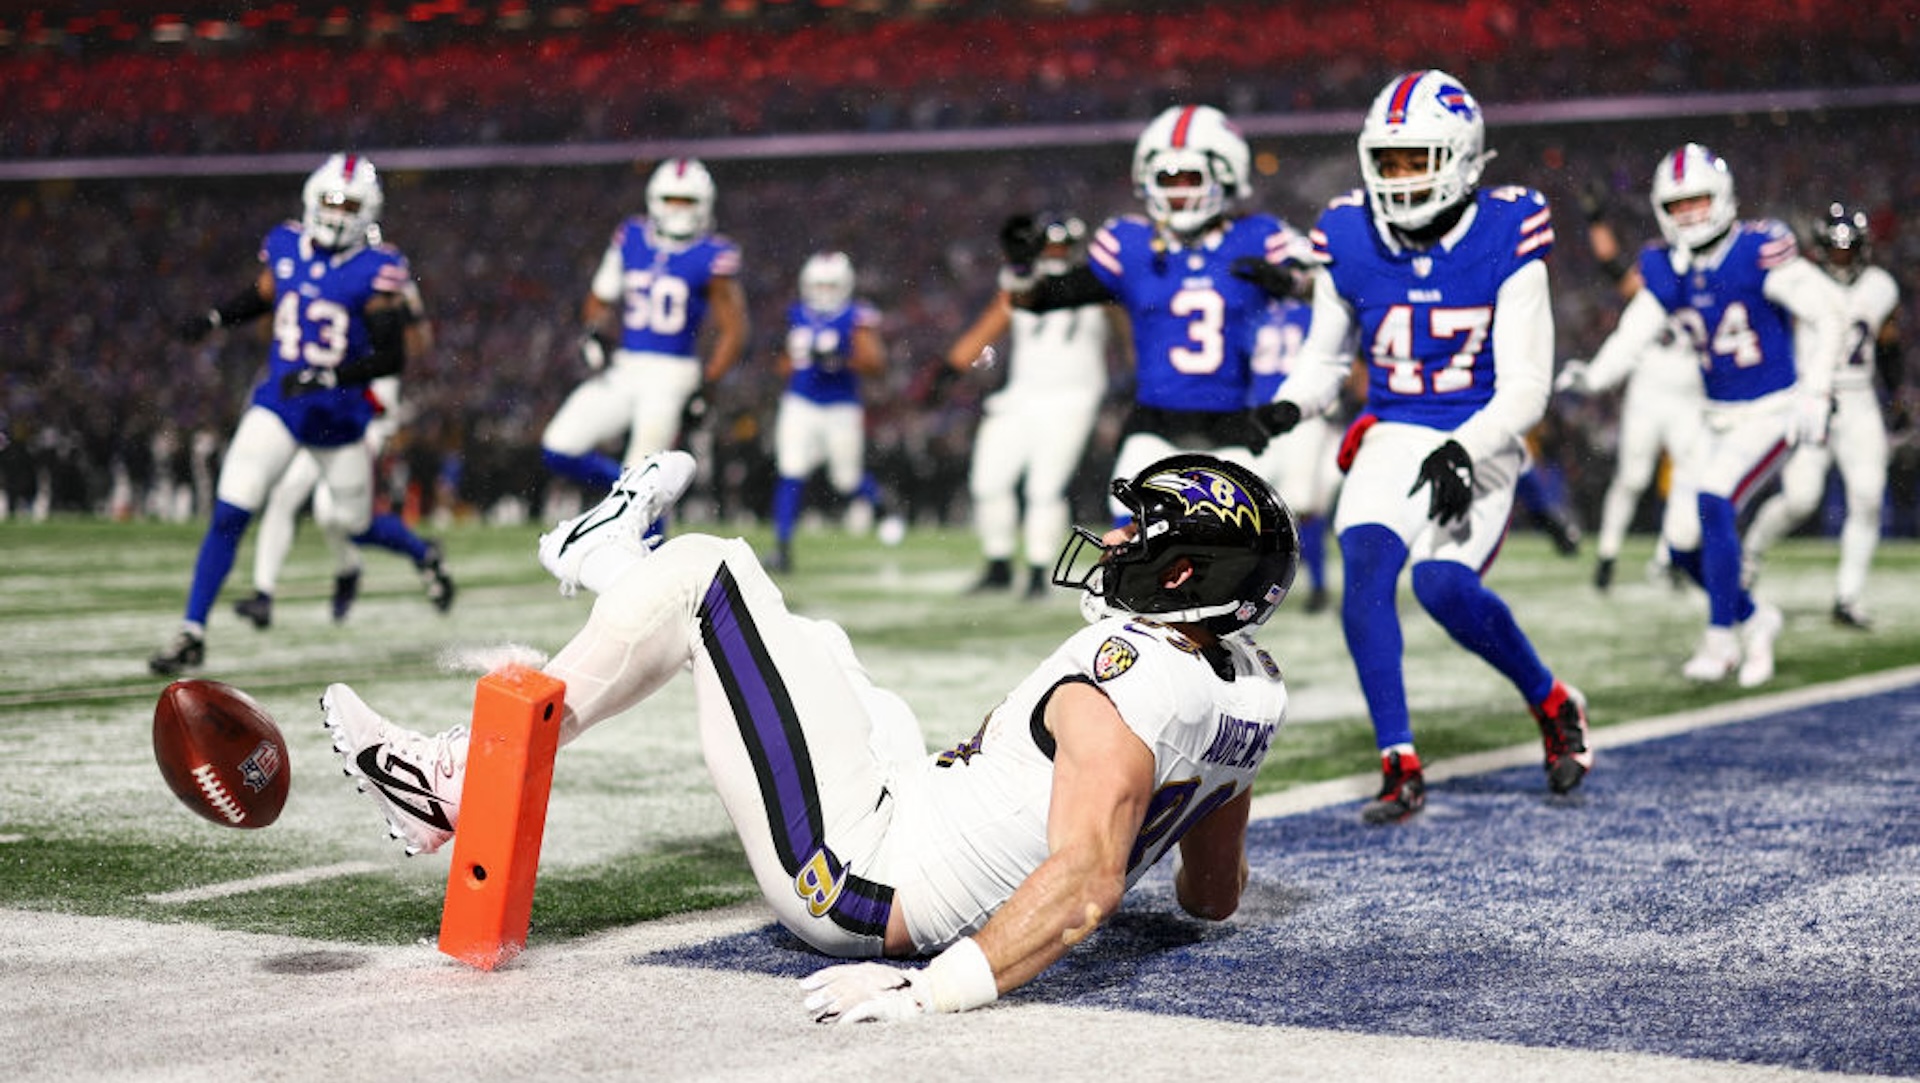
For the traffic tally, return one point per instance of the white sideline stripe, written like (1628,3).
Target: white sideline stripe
(291,878)
(1321,795)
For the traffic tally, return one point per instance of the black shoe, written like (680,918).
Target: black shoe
(1603,574)
(998,576)
(346,587)
(1037,584)
(435,578)
(1566,536)
(183,652)
(1563,732)
(779,562)
(258,609)
(1848,615)
(1403,790)
(1317,600)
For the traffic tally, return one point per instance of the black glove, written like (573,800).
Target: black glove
(594,351)
(1449,474)
(1246,430)
(194,328)
(1276,418)
(1022,240)
(305,381)
(694,413)
(1594,198)
(1278,281)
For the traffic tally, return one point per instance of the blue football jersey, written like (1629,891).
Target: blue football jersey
(1193,320)
(663,288)
(1425,317)
(1744,340)
(1277,337)
(319,320)
(820,345)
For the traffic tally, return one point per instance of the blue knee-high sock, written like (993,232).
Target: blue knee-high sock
(1480,621)
(1313,550)
(868,491)
(1373,557)
(217,551)
(788,496)
(389,531)
(1727,602)
(1687,561)
(592,470)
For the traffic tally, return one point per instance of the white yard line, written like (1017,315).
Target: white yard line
(290,878)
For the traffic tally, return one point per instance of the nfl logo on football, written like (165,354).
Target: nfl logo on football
(258,769)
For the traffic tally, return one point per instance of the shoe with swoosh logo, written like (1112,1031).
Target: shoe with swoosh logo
(415,779)
(593,548)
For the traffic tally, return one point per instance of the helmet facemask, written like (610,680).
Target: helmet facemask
(1686,220)
(1843,243)
(342,203)
(1190,166)
(1211,545)
(826,282)
(1430,119)
(680,200)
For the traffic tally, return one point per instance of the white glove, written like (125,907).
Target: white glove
(863,993)
(956,980)
(1807,424)
(593,351)
(1572,378)
(1017,281)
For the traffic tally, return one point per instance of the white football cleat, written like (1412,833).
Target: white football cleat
(592,549)
(1757,634)
(415,779)
(1717,658)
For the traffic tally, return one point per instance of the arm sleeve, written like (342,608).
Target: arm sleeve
(606,279)
(1819,311)
(1639,326)
(1523,363)
(1077,287)
(1324,359)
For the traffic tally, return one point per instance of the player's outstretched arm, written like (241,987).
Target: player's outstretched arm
(727,312)
(1213,861)
(968,351)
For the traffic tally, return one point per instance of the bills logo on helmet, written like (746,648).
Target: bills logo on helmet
(1114,657)
(1201,490)
(1457,101)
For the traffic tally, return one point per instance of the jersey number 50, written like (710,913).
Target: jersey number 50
(656,303)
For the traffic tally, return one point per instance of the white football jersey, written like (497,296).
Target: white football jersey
(1062,350)
(1871,298)
(971,826)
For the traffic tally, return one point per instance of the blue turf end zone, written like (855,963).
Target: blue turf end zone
(1748,892)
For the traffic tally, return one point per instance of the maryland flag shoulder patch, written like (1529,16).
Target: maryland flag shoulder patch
(1114,657)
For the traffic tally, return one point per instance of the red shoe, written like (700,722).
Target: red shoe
(1403,789)
(1563,730)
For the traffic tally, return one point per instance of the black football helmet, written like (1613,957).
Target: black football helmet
(1842,241)
(1235,530)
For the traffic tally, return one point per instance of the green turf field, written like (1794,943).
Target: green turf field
(88,827)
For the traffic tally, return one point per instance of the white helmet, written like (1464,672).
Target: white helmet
(826,282)
(680,199)
(1184,143)
(343,200)
(1693,171)
(1429,111)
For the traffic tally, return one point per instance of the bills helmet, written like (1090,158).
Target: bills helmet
(1842,242)
(1230,528)
(1427,111)
(343,201)
(1687,173)
(1189,166)
(680,199)
(826,282)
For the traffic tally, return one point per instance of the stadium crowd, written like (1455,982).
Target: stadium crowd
(103,410)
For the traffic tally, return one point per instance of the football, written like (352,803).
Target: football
(221,753)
